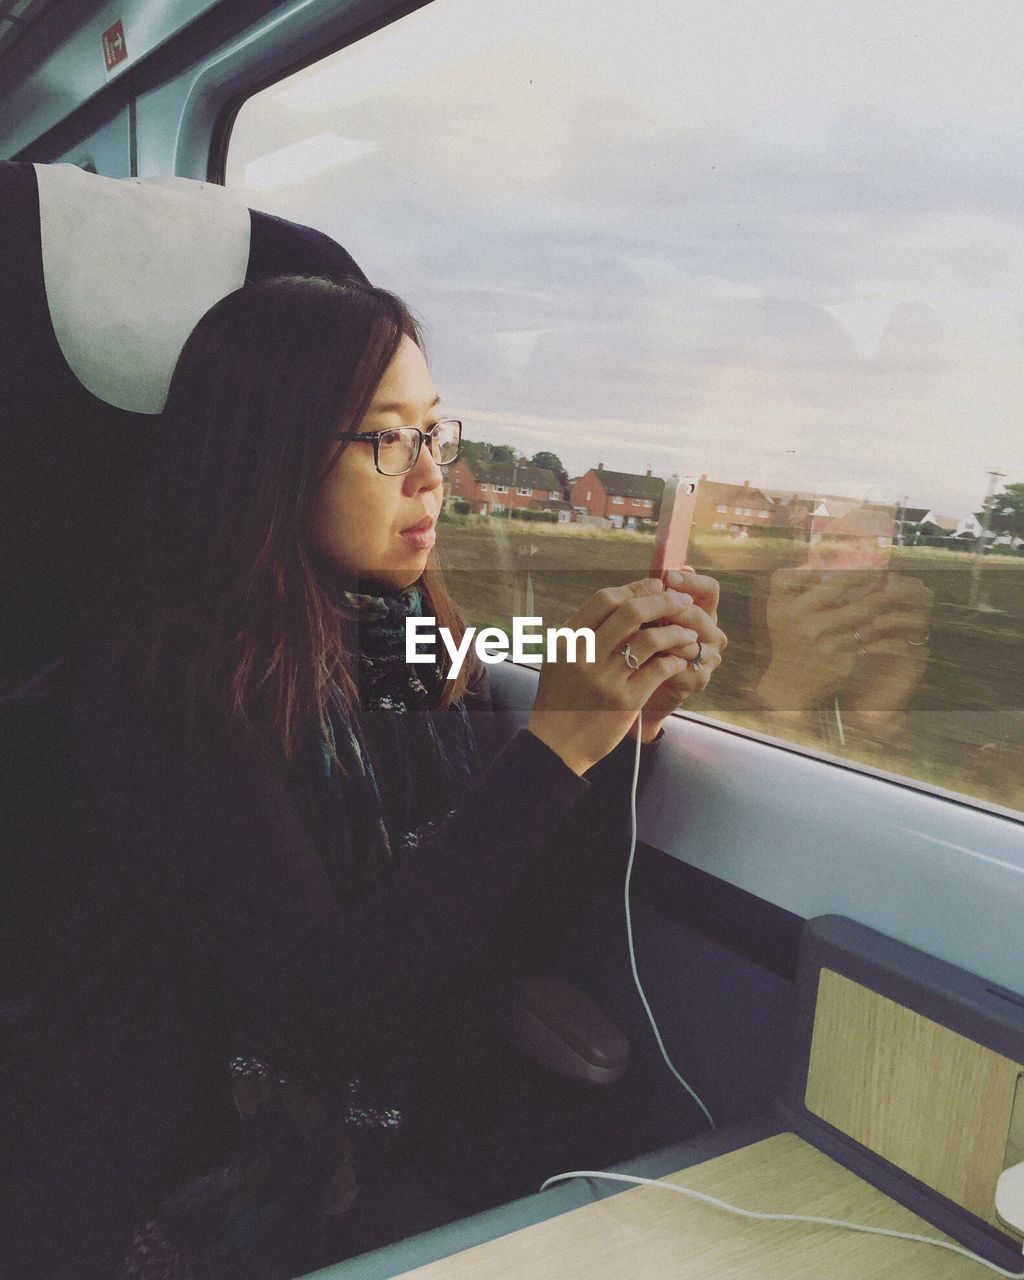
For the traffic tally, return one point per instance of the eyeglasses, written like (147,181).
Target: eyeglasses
(397,451)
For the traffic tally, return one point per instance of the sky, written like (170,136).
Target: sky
(778,242)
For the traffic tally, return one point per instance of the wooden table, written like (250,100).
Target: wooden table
(647,1234)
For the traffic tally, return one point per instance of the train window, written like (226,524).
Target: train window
(778,248)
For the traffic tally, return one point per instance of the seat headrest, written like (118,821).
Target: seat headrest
(129,267)
(101,281)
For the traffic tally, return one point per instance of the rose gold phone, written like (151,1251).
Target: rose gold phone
(672,541)
(856,547)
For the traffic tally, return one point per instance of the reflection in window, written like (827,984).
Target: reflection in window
(790,266)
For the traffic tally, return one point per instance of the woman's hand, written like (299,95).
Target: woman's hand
(583,709)
(701,617)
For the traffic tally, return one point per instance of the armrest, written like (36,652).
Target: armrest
(551,1022)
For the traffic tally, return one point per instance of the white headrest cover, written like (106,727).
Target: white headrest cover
(129,266)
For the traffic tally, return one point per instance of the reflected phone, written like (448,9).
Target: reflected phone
(856,548)
(675,522)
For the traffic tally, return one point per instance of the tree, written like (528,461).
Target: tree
(549,461)
(473,450)
(483,451)
(1005,511)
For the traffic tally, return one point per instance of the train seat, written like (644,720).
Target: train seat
(101,281)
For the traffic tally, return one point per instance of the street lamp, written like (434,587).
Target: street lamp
(979,550)
(901,519)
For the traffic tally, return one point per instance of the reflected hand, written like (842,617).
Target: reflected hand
(815,627)
(893,657)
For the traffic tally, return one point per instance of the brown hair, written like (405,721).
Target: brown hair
(219,590)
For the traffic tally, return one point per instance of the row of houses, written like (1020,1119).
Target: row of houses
(616,497)
(628,500)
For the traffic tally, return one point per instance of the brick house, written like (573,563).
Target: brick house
(618,496)
(560,506)
(814,517)
(496,486)
(810,515)
(735,508)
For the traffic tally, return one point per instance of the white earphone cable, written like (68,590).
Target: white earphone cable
(784,1217)
(629,926)
(699,1195)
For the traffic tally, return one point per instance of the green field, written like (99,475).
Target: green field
(963,728)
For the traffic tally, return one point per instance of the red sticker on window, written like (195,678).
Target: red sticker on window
(114,48)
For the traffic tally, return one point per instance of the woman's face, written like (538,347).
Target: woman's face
(361,518)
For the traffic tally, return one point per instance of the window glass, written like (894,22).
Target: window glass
(779,249)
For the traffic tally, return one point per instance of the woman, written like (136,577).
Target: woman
(296,863)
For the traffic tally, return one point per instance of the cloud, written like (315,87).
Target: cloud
(782,251)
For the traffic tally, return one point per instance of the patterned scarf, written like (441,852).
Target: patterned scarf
(388,776)
(401,767)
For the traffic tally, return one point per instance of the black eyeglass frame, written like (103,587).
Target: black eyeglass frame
(374,438)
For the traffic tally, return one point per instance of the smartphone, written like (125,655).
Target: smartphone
(672,541)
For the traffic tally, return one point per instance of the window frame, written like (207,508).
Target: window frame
(238,63)
(228,82)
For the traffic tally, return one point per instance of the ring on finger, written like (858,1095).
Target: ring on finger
(632,661)
(697,664)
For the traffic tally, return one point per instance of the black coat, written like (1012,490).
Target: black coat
(206,905)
